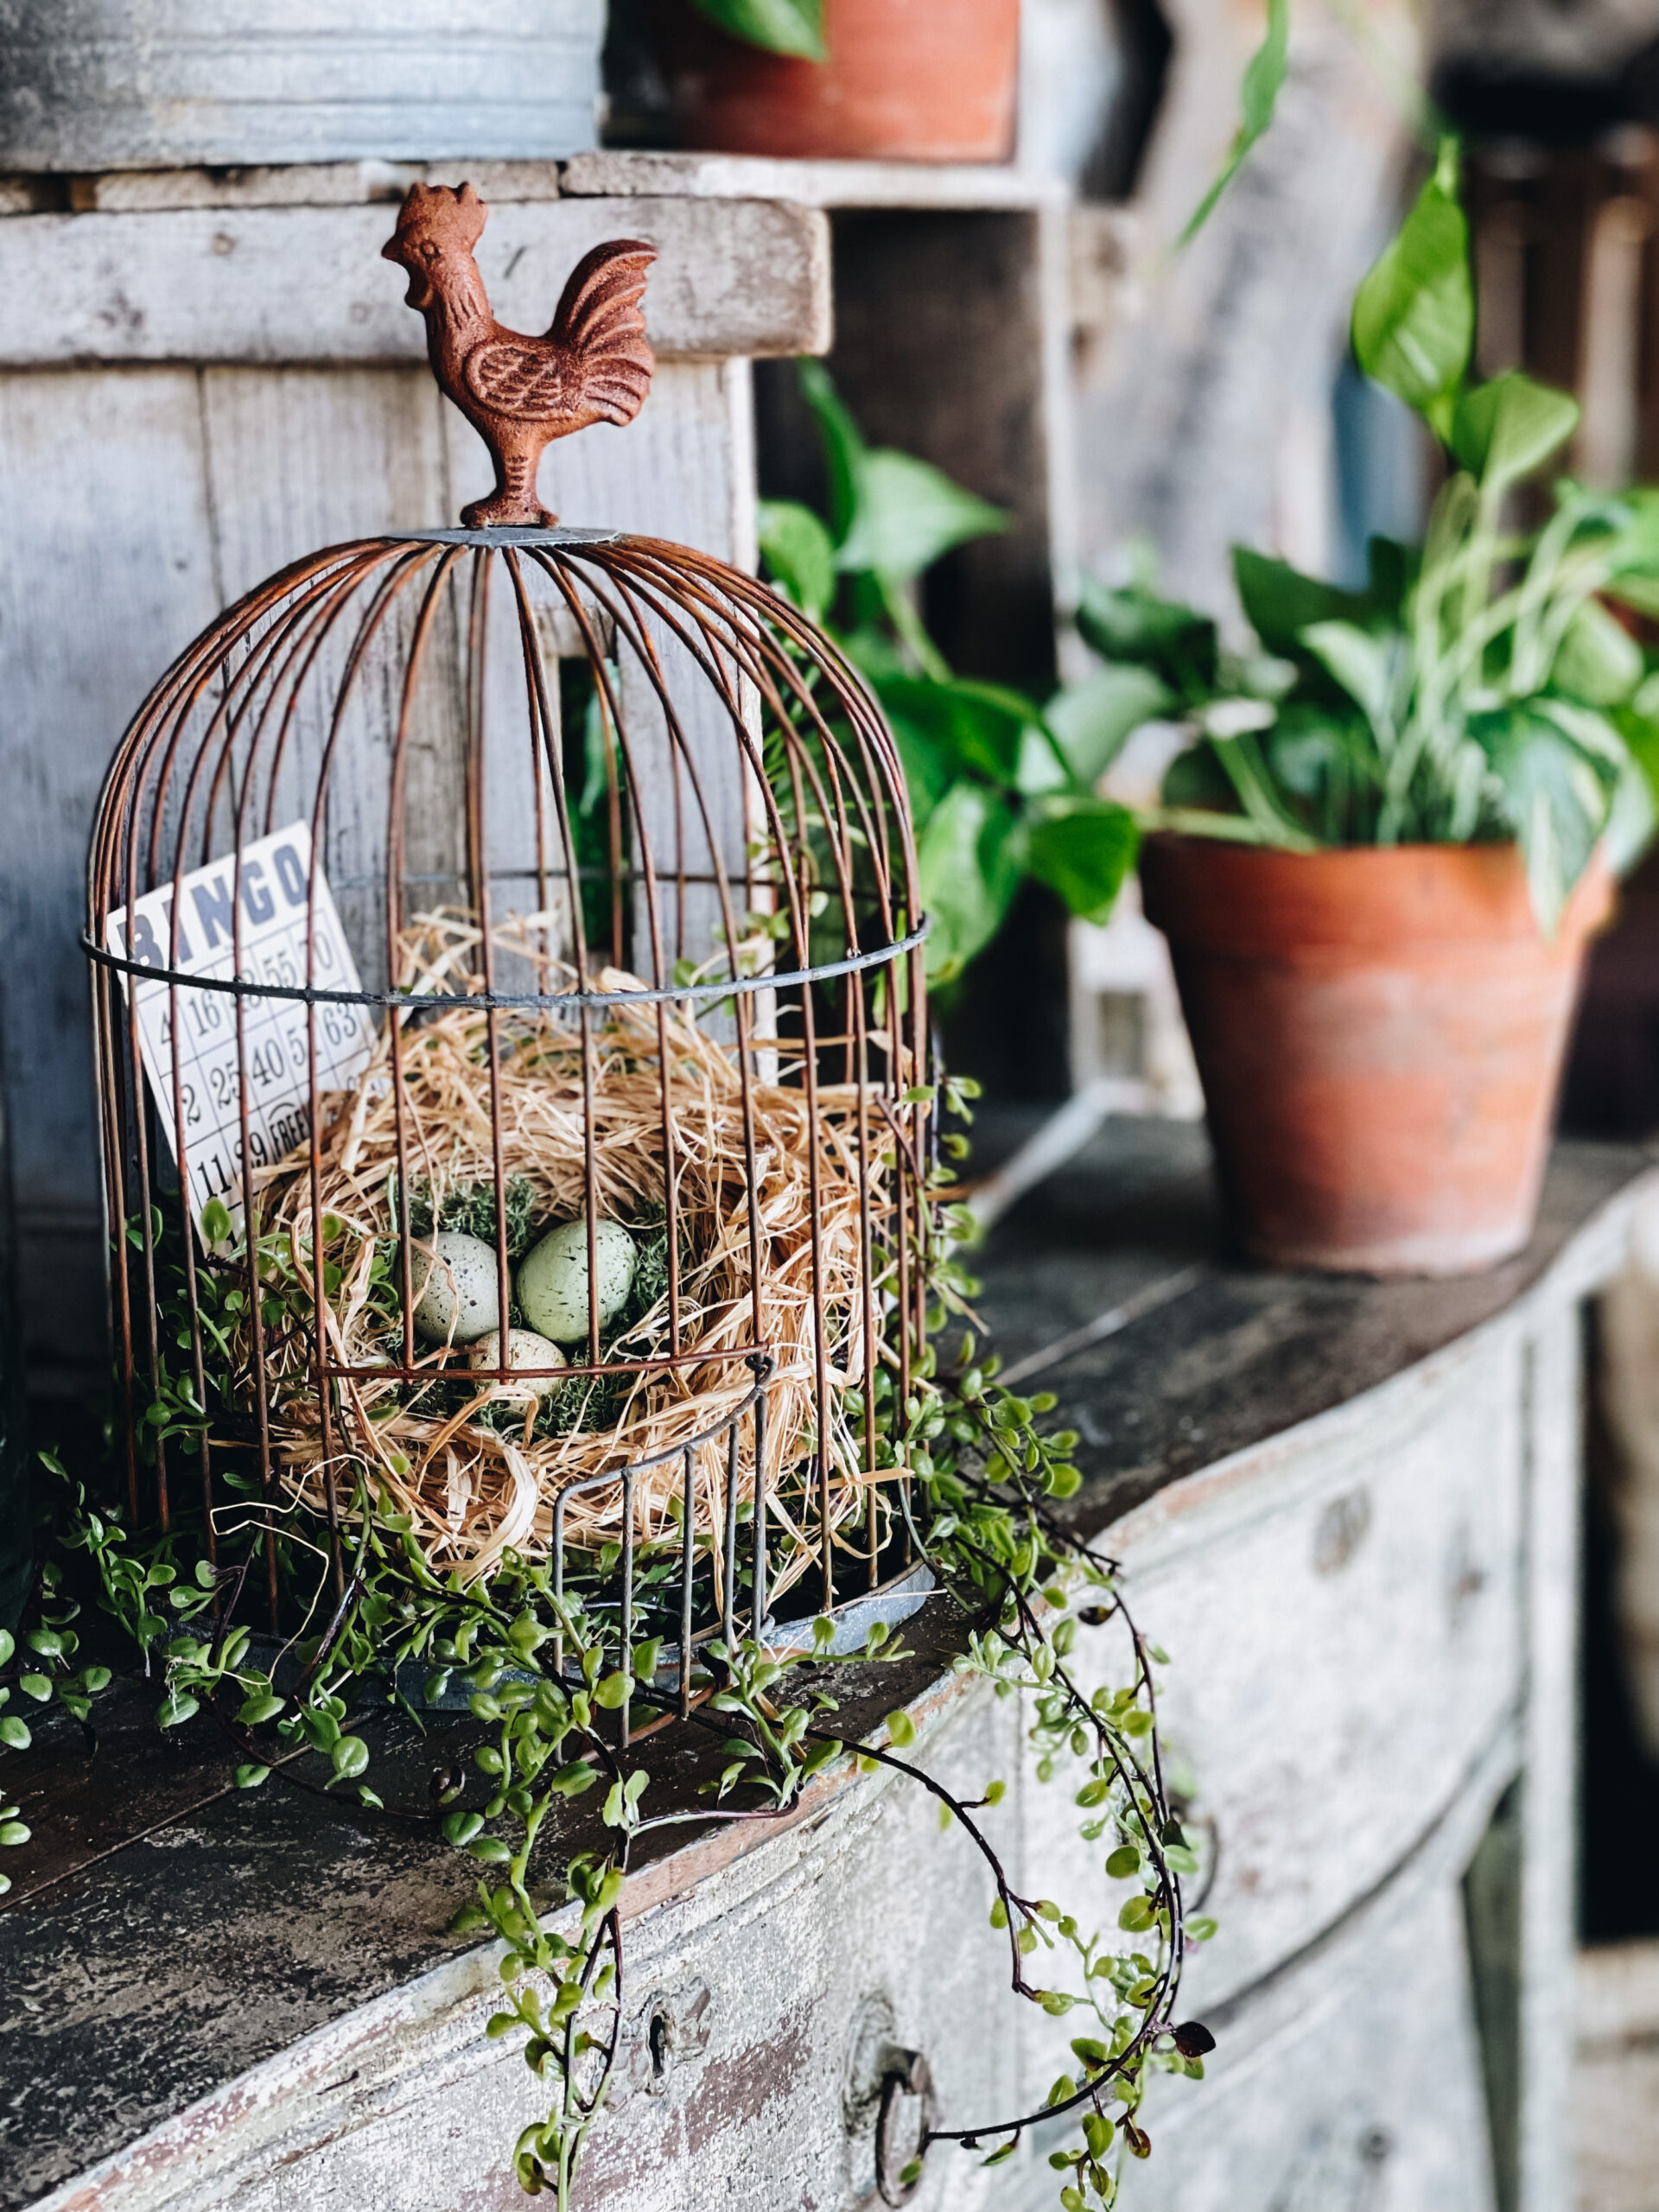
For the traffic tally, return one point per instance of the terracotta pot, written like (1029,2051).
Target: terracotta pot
(906,81)
(1380,1034)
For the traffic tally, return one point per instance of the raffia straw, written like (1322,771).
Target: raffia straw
(472,1490)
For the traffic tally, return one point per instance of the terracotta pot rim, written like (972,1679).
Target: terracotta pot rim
(1193,840)
(1376,904)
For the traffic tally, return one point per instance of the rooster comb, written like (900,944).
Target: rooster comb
(457,217)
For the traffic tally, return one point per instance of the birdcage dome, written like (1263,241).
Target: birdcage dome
(513,1047)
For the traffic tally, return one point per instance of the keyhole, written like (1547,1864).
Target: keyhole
(657,2035)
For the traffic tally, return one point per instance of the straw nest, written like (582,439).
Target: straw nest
(477,1475)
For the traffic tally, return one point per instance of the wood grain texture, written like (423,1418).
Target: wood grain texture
(153,84)
(287,285)
(1352,2082)
(810,184)
(1202,414)
(1345,1622)
(108,573)
(303,458)
(304,184)
(1549,1779)
(362,2072)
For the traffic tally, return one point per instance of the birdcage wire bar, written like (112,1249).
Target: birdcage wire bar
(737,867)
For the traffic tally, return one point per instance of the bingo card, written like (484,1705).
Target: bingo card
(277,894)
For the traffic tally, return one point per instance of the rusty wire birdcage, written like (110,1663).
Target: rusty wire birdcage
(460,886)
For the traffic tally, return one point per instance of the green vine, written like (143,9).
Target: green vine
(548,1675)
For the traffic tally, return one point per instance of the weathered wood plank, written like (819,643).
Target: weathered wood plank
(810,184)
(302,458)
(1554,1411)
(303,184)
(98,83)
(109,573)
(1343,1619)
(287,285)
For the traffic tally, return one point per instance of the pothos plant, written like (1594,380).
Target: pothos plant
(1480,686)
(546,1671)
(1001,789)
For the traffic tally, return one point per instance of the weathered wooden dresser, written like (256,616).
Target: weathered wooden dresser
(1349,1511)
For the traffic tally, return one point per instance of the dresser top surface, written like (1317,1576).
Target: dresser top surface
(168,1933)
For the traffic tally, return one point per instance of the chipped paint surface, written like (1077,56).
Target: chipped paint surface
(331,2055)
(405,2104)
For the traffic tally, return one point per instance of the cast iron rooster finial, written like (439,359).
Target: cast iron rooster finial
(519,393)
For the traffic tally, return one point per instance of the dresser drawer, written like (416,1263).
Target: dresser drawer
(1343,1617)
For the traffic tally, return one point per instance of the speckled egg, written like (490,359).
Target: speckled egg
(553,1278)
(525,1349)
(456,1288)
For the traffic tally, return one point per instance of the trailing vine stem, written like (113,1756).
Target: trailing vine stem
(543,1670)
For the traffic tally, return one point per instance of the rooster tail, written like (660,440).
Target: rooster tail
(599,326)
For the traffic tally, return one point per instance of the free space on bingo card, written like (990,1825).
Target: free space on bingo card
(278,893)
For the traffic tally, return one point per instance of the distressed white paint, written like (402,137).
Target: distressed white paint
(137,500)
(289,284)
(97,84)
(1344,1624)
(1346,2077)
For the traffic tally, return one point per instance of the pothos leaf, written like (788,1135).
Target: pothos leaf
(1258,95)
(1414,311)
(907,513)
(970,858)
(780,26)
(1083,848)
(1504,428)
(800,553)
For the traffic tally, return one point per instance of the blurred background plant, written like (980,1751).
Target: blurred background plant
(780,26)
(1002,789)
(1480,686)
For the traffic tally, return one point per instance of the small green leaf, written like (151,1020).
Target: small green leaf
(1597,660)
(351,1758)
(1505,428)
(1413,321)
(260,1707)
(1092,722)
(460,1827)
(8,1645)
(14,1733)
(780,26)
(45,1642)
(94,1679)
(13,1832)
(491,1850)
(252,1778)
(1258,94)
(970,860)
(1123,1862)
(1280,602)
(38,1687)
(843,444)
(614,1691)
(1358,661)
(902,1729)
(176,1707)
(800,553)
(906,514)
(1083,848)
(1132,623)
(572,1780)
(1135,1915)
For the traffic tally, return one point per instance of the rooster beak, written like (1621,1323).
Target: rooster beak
(389,251)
